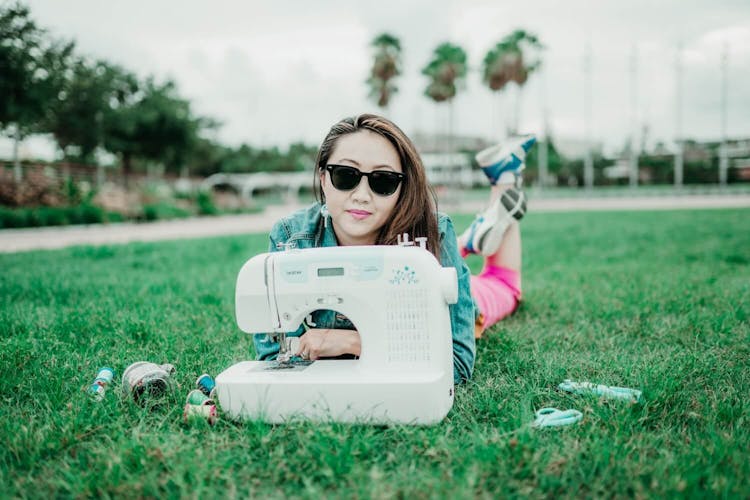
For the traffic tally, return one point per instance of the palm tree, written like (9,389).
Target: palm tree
(509,61)
(447,72)
(385,67)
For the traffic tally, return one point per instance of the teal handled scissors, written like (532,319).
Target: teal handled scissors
(552,417)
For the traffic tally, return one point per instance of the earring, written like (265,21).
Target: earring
(324,214)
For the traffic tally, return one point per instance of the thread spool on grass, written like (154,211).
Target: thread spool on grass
(205,383)
(98,387)
(147,383)
(197,397)
(200,413)
(199,407)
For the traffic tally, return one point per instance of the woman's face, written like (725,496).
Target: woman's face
(359,214)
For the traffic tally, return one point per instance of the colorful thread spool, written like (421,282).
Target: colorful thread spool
(196,413)
(98,388)
(147,381)
(206,385)
(197,398)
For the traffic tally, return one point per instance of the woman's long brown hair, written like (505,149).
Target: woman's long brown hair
(415,210)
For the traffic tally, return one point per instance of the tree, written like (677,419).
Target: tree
(166,128)
(511,61)
(446,71)
(152,124)
(32,68)
(385,67)
(89,95)
(207,157)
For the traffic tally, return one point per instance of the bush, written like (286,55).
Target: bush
(86,212)
(10,217)
(114,217)
(162,210)
(90,214)
(72,192)
(52,216)
(205,203)
(35,189)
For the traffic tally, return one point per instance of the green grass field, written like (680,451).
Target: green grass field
(653,300)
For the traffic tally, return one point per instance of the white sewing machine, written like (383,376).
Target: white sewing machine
(397,298)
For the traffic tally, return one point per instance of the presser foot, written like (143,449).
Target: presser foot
(292,364)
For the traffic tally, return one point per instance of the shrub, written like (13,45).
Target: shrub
(89,214)
(10,217)
(35,189)
(162,210)
(114,217)
(52,216)
(205,203)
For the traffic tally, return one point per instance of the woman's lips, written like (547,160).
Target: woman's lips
(359,214)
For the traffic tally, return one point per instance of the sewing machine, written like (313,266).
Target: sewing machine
(397,298)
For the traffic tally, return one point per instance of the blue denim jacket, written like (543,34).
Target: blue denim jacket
(305,229)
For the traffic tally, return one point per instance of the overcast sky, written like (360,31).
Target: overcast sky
(280,71)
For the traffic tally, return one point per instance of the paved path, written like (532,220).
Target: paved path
(20,240)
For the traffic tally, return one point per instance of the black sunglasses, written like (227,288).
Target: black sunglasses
(382,182)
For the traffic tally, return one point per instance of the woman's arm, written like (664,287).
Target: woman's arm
(462,313)
(328,342)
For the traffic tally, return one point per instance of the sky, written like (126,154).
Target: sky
(277,72)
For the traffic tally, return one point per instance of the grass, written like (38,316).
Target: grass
(657,301)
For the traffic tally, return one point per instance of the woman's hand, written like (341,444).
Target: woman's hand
(327,343)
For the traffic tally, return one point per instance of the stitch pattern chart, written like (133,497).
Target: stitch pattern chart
(407,317)
(404,276)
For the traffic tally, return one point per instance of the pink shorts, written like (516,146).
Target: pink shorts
(496,290)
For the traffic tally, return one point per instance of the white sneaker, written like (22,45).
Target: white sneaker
(485,234)
(503,163)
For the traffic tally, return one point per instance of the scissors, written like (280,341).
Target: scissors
(552,417)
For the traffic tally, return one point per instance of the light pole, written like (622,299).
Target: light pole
(588,162)
(543,159)
(679,147)
(634,117)
(723,153)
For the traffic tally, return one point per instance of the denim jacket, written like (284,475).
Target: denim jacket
(305,229)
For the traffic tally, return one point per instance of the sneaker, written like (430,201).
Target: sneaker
(485,234)
(506,161)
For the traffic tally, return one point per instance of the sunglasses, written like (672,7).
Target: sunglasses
(382,182)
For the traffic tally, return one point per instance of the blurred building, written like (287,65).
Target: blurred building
(575,149)
(704,153)
(444,143)
(448,159)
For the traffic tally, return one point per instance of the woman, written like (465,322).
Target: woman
(395,199)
